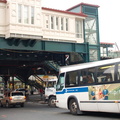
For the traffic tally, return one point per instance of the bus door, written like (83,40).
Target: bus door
(60,91)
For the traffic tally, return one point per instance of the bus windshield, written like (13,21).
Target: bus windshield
(61,81)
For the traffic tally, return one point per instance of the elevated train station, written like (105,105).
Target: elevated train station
(35,40)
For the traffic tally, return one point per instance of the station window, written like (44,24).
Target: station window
(52,22)
(32,15)
(78,26)
(19,13)
(91,30)
(26,14)
(57,23)
(47,21)
(62,24)
(66,24)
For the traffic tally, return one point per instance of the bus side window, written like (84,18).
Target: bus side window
(118,74)
(71,79)
(67,82)
(105,73)
(91,75)
(90,79)
(108,78)
(83,77)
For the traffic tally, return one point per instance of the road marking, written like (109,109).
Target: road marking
(3,116)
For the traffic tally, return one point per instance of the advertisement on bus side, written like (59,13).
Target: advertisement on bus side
(104,92)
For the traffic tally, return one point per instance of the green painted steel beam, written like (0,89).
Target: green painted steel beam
(41,45)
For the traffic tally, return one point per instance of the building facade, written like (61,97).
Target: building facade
(35,40)
(29,21)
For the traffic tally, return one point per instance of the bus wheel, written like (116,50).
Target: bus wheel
(73,106)
(51,102)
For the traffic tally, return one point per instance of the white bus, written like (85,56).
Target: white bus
(93,86)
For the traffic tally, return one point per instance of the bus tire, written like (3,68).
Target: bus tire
(51,102)
(73,106)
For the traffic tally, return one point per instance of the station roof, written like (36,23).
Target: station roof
(106,44)
(67,12)
(80,4)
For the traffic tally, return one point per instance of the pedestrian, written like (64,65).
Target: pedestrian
(41,93)
(26,93)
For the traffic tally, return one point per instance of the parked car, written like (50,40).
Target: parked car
(22,90)
(13,98)
(1,96)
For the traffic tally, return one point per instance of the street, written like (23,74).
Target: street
(41,111)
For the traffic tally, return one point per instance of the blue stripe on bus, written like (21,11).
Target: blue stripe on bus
(73,90)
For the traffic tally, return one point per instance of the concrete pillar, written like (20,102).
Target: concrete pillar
(5,80)
(13,83)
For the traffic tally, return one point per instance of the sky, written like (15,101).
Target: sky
(109,16)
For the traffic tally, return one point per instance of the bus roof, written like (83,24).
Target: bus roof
(87,65)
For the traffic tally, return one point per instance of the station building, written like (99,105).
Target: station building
(25,22)
(36,40)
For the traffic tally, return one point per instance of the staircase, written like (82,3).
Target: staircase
(52,65)
(37,83)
